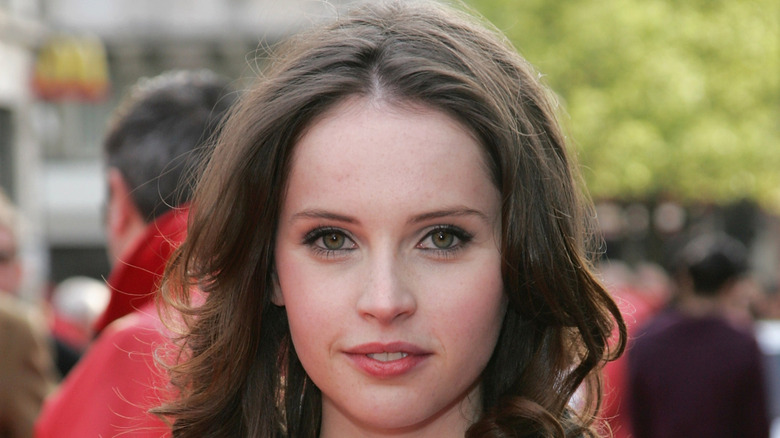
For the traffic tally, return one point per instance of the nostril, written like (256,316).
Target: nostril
(386,301)
(388,294)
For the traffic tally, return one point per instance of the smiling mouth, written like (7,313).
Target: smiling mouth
(387,357)
(387,360)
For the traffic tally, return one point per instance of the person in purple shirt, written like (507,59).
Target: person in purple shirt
(694,369)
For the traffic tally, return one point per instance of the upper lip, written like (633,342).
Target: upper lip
(389,347)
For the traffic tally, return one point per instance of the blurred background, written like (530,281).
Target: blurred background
(673,108)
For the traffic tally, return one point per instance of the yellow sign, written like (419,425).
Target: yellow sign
(71,68)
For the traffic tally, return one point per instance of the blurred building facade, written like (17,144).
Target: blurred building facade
(20,152)
(64,64)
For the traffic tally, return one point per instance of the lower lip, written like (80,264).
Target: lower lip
(386,370)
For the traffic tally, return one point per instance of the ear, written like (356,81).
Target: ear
(123,220)
(115,208)
(276,295)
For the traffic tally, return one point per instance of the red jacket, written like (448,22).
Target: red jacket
(111,389)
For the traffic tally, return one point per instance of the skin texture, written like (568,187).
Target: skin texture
(390,221)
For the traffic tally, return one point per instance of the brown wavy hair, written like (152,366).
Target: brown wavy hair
(237,373)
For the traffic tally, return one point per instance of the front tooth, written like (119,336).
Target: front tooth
(395,356)
(387,357)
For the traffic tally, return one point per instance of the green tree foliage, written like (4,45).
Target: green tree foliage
(663,98)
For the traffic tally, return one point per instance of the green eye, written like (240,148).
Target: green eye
(442,239)
(333,241)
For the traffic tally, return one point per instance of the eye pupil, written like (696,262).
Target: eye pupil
(333,241)
(443,239)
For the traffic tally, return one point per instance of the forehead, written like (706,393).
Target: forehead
(377,151)
(355,120)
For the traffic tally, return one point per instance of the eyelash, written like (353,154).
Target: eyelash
(463,240)
(312,237)
(463,237)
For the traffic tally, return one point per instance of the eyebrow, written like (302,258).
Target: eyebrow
(323,214)
(453,212)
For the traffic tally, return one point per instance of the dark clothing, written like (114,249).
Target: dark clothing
(65,356)
(696,377)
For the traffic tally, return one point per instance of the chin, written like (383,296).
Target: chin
(406,416)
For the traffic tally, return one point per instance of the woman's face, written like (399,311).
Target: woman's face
(389,269)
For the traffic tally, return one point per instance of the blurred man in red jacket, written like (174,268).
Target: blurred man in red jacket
(154,143)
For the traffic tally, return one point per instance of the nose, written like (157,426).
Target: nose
(387,294)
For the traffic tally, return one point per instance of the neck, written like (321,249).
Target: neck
(697,305)
(718,306)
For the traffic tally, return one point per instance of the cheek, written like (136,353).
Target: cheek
(304,285)
(470,310)
(307,295)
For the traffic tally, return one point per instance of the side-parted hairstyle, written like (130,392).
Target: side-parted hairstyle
(157,133)
(237,372)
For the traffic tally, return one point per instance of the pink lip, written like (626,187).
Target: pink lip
(384,370)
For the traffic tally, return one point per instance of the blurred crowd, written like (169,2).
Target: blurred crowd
(703,357)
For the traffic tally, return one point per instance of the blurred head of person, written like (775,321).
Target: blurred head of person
(10,264)
(711,263)
(154,141)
